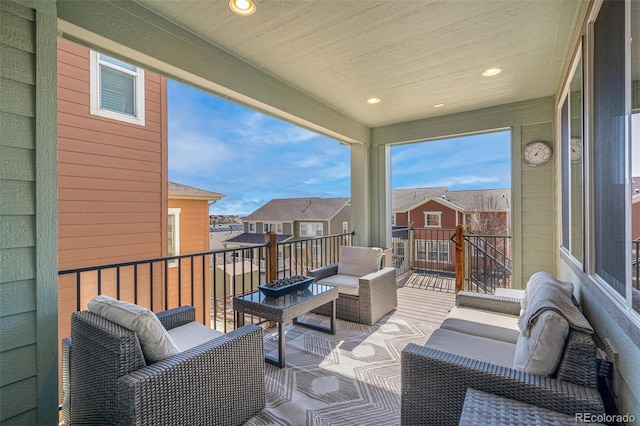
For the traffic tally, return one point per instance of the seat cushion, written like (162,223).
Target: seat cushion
(359,261)
(346,284)
(483,324)
(474,347)
(156,343)
(540,352)
(192,334)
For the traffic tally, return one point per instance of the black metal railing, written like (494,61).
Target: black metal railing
(433,251)
(207,280)
(487,262)
(400,250)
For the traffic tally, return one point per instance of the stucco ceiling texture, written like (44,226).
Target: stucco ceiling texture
(411,54)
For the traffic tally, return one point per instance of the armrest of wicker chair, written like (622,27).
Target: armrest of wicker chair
(378,295)
(489,302)
(217,382)
(176,317)
(434,385)
(323,271)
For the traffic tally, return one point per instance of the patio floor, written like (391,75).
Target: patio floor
(352,377)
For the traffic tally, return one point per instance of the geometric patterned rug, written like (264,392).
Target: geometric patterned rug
(349,378)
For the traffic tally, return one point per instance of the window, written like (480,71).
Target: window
(252,227)
(433,219)
(272,227)
(571,140)
(173,224)
(311,229)
(117,89)
(432,251)
(609,145)
(345,227)
(393,219)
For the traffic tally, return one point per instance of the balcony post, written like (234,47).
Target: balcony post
(459,258)
(272,256)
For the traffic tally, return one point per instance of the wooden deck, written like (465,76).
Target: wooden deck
(426,298)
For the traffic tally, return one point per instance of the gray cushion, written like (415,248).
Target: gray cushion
(539,352)
(359,261)
(483,323)
(155,341)
(474,347)
(192,334)
(346,284)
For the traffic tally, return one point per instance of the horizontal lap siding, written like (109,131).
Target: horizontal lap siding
(194,238)
(18,317)
(110,185)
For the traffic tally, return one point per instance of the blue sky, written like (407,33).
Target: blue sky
(252,158)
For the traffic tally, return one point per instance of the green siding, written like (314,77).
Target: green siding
(28,207)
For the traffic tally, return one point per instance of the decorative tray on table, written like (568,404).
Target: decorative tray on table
(283,286)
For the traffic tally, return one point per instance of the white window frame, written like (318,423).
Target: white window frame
(426,219)
(95,63)
(345,227)
(311,229)
(252,227)
(176,239)
(270,226)
(441,247)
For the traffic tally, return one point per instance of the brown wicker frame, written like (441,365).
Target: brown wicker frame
(106,380)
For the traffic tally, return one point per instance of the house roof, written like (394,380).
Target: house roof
(468,200)
(247,238)
(179,191)
(292,209)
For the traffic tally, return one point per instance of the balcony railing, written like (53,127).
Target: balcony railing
(207,280)
(479,262)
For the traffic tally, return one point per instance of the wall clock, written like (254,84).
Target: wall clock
(537,153)
(576,150)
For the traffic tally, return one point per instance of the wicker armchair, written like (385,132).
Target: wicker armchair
(374,294)
(434,382)
(106,379)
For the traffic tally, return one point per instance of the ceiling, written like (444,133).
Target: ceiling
(411,54)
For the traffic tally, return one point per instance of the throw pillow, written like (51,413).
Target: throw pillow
(359,261)
(540,352)
(154,339)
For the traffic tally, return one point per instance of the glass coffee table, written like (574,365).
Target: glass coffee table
(285,308)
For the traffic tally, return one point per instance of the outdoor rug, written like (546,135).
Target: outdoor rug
(350,378)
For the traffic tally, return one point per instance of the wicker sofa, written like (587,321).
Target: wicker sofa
(475,348)
(367,289)
(106,379)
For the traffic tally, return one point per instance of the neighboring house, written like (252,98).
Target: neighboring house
(218,234)
(115,203)
(188,231)
(435,212)
(294,218)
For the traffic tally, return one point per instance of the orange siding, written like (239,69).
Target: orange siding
(111,178)
(112,190)
(194,238)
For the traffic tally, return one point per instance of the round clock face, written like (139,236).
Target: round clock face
(576,149)
(536,153)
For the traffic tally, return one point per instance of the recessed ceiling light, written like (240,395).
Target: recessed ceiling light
(438,105)
(242,7)
(491,72)
(374,100)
